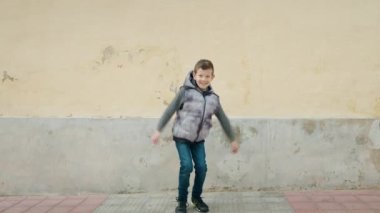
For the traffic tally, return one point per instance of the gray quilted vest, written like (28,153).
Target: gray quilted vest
(193,120)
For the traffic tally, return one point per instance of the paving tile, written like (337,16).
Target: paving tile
(15,198)
(346,198)
(28,203)
(274,206)
(77,197)
(367,192)
(2,208)
(329,206)
(84,209)
(94,200)
(322,198)
(6,203)
(355,205)
(15,210)
(71,202)
(39,209)
(50,202)
(347,192)
(362,211)
(374,205)
(268,199)
(9,202)
(307,211)
(56,197)
(298,198)
(290,193)
(369,198)
(277,211)
(61,209)
(304,206)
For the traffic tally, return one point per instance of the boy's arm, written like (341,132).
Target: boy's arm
(170,110)
(225,123)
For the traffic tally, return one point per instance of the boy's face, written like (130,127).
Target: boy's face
(203,78)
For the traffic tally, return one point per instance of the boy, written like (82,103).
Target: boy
(194,105)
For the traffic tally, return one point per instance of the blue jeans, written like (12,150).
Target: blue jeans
(189,152)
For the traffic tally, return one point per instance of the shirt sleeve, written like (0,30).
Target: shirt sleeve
(170,110)
(222,117)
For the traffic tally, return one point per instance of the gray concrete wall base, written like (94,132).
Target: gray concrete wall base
(82,155)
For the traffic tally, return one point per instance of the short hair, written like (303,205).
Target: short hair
(204,64)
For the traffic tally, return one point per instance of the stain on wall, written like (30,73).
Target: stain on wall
(107,54)
(375,158)
(362,140)
(376,107)
(309,126)
(7,77)
(254,131)
(352,105)
(297,148)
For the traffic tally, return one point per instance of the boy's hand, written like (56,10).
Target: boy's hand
(155,137)
(234,147)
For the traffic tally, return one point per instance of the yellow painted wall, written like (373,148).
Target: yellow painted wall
(276,58)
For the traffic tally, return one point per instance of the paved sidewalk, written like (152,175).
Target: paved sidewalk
(219,202)
(56,204)
(338,201)
(355,201)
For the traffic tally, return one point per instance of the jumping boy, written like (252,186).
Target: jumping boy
(194,104)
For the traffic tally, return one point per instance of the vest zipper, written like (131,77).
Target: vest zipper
(203,115)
